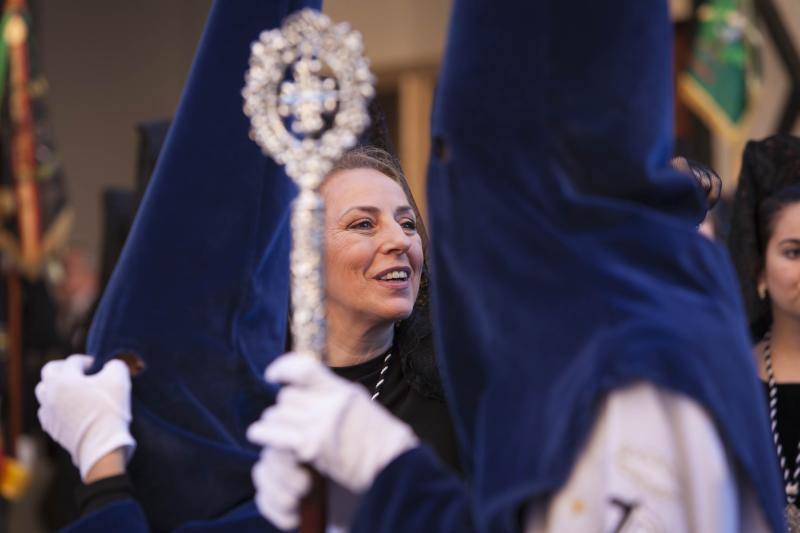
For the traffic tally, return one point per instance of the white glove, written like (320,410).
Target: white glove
(329,422)
(87,415)
(280,483)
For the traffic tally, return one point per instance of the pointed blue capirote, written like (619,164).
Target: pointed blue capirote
(565,262)
(201,289)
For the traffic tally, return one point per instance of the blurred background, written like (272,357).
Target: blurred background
(87,89)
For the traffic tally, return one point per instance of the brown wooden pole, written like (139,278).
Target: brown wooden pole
(313,507)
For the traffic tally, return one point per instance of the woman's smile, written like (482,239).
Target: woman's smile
(395,278)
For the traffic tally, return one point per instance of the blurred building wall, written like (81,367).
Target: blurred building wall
(111,65)
(398,34)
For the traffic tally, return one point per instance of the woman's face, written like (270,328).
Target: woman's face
(373,253)
(782,262)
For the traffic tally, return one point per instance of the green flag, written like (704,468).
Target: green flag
(722,80)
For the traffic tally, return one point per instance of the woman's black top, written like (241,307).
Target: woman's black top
(788,416)
(427,416)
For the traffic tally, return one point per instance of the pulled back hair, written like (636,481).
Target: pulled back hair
(708,180)
(769,182)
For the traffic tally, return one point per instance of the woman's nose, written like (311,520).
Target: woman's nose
(395,239)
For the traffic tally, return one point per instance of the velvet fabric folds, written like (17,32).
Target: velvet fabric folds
(200,293)
(566,262)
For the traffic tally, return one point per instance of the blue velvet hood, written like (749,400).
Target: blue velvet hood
(201,289)
(566,261)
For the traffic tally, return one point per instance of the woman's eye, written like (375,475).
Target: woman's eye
(792,253)
(361,224)
(409,225)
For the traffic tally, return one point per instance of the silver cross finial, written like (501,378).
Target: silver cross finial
(306,94)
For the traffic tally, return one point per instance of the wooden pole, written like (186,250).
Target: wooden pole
(314,505)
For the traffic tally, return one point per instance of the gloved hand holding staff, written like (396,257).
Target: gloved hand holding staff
(325,114)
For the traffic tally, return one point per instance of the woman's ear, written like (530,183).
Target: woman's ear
(761,287)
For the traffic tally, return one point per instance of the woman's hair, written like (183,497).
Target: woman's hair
(414,335)
(708,180)
(769,182)
(768,213)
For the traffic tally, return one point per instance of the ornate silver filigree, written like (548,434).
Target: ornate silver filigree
(306,94)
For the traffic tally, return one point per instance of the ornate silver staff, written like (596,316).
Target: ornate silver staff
(306,94)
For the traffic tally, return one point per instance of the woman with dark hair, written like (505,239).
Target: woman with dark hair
(765,247)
